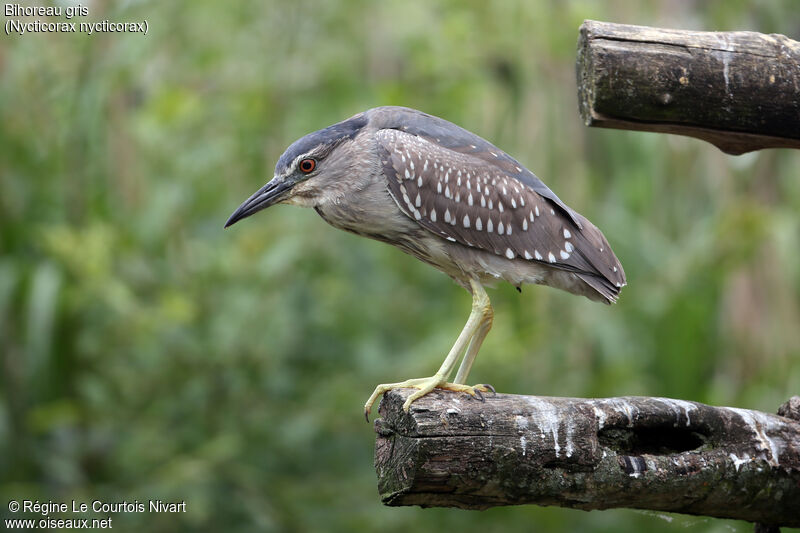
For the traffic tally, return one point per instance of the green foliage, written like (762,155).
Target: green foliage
(146,353)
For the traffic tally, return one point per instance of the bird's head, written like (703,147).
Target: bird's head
(307,171)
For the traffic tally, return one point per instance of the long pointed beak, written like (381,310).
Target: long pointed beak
(269,194)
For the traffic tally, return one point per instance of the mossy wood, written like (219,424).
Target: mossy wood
(661,454)
(737,90)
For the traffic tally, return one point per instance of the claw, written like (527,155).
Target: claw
(494,392)
(479,395)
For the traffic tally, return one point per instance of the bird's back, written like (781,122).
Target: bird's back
(472,194)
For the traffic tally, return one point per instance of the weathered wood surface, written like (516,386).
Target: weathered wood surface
(737,90)
(646,453)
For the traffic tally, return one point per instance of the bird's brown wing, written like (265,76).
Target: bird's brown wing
(469,200)
(445,134)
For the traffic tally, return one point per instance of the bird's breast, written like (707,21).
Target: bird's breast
(371,212)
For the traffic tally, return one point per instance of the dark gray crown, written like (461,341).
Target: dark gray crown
(328,137)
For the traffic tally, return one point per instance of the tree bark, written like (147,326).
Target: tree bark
(451,450)
(737,90)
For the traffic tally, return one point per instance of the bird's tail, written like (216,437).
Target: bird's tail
(607,277)
(607,291)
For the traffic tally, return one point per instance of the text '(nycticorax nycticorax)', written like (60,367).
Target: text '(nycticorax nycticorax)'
(450,199)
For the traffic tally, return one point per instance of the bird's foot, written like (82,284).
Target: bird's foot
(424,386)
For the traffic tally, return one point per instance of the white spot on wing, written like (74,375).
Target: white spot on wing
(500,228)
(509,253)
(466,221)
(537,255)
(567,234)
(564,255)
(489,226)
(537,212)
(528,255)
(433,215)
(478,224)
(568,247)
(447,216)
(551,257)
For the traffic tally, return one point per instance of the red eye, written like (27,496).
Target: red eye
(307,165)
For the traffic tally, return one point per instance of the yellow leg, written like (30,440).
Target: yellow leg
(476,322)
(477,339)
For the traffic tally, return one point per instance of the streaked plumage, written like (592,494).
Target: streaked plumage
(451,199)
(474,201)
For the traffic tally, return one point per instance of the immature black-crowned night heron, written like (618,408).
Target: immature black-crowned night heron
(450,199)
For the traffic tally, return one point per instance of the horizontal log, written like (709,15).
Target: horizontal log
(737,90)
(451,450)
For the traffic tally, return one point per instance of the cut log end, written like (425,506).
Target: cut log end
(736,90)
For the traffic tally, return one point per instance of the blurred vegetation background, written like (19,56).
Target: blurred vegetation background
(146,353)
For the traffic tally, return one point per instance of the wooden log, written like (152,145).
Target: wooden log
(737,90)
(451,450)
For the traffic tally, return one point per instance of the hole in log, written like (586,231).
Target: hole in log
(665,440)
